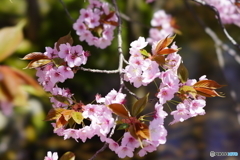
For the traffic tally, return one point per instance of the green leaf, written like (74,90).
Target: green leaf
(77,117)
(139,106)
(68,156)
(123,126)
(145,53)
(182,73)
(188,89)
(10,38)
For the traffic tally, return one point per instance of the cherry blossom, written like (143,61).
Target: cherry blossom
(161,26)
(93,28)
(51,156)
(229,13)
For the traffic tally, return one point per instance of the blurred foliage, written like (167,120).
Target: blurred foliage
(25,136)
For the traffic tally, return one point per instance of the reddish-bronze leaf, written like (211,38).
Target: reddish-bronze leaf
(113,23)
(164,43)
(64,40)
(67,114)
(139,130)
(160,59)
(167,51)
(207,92)
(110,15)
(54,114)
(35,56)
(38,63)
(61,122)
(210,84)
(142,130)
(120,110)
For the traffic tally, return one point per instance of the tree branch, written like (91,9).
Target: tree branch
(219,21)
(119,35)
(98,70)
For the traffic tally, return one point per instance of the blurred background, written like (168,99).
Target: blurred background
(25,136)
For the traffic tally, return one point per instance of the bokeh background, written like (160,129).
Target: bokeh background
(25,136)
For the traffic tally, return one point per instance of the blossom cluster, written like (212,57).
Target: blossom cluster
(161,26)
(96,24)
(142,69)
(163,65)
(170,82)
(228,11)
(52,73)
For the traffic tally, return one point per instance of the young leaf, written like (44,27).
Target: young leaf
(167,51)
(123,126)
(139,105)
(68,156)
(207,88)
(10,38)
(142,130)
(120,110)
(64,40)
(54,114)
(208,92)
(35,56)
(182,73)
(61,99)
(163,44)
(38,63)
(189,90)
(209,84)
(67,114)
(145,53)
(77,117)
(60,122)
(160,59)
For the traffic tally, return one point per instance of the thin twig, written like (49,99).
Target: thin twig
(66,10)
(100,150)
(219,45)
(98,70)
(119,35)
(219,20)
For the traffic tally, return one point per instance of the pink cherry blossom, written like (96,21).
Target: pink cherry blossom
(196,107)
(92,28)
(163,20)
(123,151)
(158,132)
(181,114)
(51,156)
(112,97)
(139,44)
(112,144)
(129,141)
(229,13)
(147,147)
